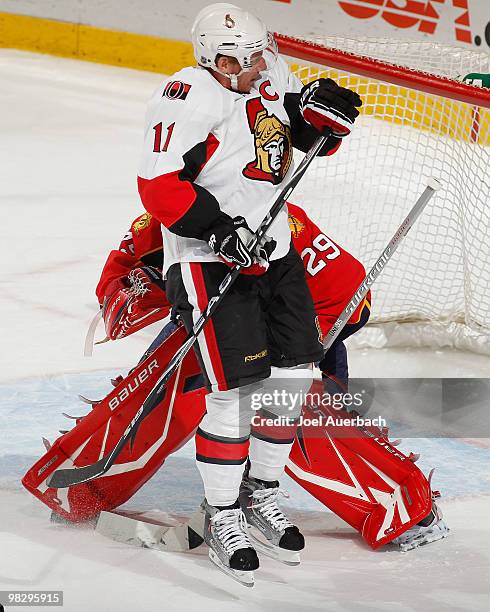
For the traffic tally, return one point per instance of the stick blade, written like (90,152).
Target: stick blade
(68,477)
(138,530)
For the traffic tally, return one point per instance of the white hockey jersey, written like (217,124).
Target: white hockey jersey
(236,146)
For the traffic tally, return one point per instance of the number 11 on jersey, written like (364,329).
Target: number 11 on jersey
(157,143)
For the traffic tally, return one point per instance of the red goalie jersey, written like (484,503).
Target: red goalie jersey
(332,274)
(132,296)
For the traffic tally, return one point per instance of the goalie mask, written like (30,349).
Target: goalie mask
(226,29)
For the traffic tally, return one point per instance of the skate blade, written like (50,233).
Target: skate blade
(424,539)
(244,578)
(288,557)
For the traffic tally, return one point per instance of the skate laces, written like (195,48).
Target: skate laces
(231,529)
(265,500)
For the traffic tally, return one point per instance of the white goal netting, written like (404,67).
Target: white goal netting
(436,289)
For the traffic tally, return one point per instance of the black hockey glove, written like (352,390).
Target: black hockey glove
(229,238)
(324,104)
(265,249)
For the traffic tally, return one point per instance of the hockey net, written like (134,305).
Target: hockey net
(418,120)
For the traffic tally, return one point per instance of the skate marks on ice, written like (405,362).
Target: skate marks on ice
(338,571)
(96,571)
(88,566)
(33,407)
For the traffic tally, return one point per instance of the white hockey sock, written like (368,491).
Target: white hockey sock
(221,482)
(267,460)
(270,444)
(222,444)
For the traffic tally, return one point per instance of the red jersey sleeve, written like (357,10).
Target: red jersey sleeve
(180,139)
(142,244)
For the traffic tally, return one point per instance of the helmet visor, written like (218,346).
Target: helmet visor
(268,52)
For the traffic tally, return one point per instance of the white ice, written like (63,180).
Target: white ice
(69,149)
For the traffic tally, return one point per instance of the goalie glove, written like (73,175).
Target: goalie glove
(324,104)
(134,302)
(229,238)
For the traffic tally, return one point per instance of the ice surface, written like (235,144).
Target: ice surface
(71,134)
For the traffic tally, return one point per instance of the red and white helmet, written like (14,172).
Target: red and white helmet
(226,29)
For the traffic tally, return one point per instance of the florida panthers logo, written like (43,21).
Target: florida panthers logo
(295,226)
(272,141)
(141,223)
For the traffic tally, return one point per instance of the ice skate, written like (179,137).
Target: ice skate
(430,529)
(225,532)
(258,500)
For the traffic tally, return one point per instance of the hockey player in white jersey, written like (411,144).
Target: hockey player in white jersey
(218,145)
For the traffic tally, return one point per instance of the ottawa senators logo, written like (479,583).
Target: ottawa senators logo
(176,90)
(272,141)
(141,223)
(295,226)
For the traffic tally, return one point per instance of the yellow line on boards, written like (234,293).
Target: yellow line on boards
(101,45)
(458,121)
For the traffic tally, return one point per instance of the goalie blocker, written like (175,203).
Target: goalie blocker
(354,471)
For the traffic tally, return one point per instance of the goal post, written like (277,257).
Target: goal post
(419,119)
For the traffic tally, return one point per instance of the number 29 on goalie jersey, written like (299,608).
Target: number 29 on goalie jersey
(322,249)
(332,273)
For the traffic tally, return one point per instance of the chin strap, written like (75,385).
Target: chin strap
(233,78)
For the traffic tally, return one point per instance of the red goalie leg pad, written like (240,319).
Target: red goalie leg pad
(357,473)
(163,431)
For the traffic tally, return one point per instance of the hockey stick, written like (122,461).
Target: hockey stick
(138,530)
(432,186)
(73,476)
(184,537)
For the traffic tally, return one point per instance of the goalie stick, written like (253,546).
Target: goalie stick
(68,477)
(433,185)
(146,533)
(138,530)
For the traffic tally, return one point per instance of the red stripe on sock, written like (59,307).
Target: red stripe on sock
(208,331)
(274,432)
(221,450)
